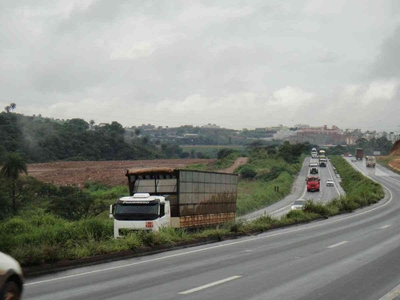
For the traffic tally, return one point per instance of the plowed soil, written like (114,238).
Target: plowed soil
(107,172)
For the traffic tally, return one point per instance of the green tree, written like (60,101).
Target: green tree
(74,204)
(13,165)
(289,153)
(13,106)
(248,172)
(361,143)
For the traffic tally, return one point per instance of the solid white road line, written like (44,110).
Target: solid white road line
(383,227)
(338,244)
(206,286)
(392,294)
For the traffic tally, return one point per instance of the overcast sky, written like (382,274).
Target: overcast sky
(239,64)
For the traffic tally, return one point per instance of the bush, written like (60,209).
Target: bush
(225,152)
(300,216)
(248,172)
(317,208)
(273,173)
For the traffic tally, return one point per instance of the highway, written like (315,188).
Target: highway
(351,256)
(299,191)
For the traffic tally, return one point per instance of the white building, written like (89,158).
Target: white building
(284,134)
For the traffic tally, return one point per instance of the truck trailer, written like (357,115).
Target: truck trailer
(359,153)
(165,197)
(314,163)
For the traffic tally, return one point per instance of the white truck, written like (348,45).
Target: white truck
(164,197)
(323,161)
(314,153)
(314,163)
(370,161)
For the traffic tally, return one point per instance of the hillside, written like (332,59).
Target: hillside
(394,162)
(395,149)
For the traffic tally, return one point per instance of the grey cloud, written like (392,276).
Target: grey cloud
(271,46)
(387,64)
(58,67)
(99,14)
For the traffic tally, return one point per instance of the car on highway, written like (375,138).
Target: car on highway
(298,204)
(354,160)
(330,182)
(11,278)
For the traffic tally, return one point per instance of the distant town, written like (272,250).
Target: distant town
(300,133)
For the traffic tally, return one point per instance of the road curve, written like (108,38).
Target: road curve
(351,256)
(299,191)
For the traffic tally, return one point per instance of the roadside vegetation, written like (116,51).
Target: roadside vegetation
(44,230)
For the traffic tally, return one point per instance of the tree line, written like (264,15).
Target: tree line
(39,139)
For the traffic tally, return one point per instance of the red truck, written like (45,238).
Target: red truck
(313,183)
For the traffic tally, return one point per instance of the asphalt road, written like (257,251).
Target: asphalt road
(299,191)
(352,256)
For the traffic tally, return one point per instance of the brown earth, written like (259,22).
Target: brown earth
(396,149)
(395,163)
(395,155)
(238,162)
(107,172)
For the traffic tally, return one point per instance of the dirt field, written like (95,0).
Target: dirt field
(108,172)
(395,164)
(240,161)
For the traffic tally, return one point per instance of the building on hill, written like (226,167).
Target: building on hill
(321,135)
(211,126)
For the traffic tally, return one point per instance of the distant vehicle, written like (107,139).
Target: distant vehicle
(165,197)
(314,163)
(350,155)
(298,204)
(359,153)
(313,183)
(313,170)
(323,161)
(370,161)
(314,153)
(322,153)
(354,160)
(330,182)
(11,278)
